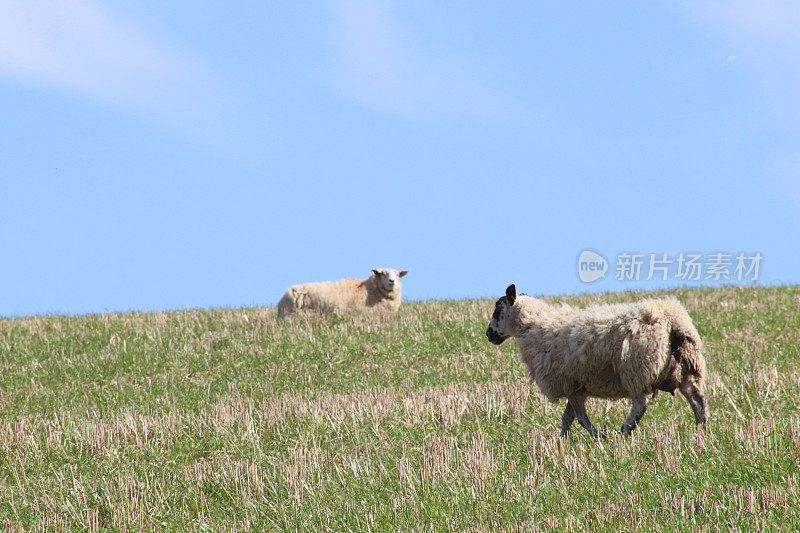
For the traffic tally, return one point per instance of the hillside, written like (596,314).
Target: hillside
(229,419)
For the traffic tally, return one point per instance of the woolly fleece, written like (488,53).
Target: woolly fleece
(609,351)
(380,292)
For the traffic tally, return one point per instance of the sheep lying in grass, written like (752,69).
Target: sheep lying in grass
(606,351)
(380,292)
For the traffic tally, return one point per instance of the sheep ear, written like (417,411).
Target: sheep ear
(375,271)
(511,293)
(403,273)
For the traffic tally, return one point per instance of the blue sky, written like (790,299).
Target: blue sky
(164,155)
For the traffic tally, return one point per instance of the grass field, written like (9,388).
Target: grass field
(232,420)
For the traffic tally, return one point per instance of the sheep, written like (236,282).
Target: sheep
(380,292)
(605,351)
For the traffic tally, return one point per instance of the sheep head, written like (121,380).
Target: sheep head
(388,278)
(500,327)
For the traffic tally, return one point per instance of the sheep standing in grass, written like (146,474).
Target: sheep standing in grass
(380,292)
(605,351)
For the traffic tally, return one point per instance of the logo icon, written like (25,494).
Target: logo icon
(591,266)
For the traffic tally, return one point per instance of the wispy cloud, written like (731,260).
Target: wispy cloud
(76,44)
(764,36)
(79,46)
(771,20)
(386,68)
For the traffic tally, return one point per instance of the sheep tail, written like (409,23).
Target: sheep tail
(686,348)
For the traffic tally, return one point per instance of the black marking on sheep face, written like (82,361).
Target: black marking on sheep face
(493,332)
(494,337)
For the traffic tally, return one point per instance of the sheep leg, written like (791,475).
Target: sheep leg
(578,404)
(638,408)
(697,401)
(567,418)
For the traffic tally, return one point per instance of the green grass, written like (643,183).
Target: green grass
(232,420)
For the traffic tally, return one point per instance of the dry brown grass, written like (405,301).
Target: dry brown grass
(230,420)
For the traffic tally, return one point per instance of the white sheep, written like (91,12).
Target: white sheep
(604,351)
(380,292)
